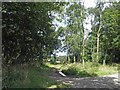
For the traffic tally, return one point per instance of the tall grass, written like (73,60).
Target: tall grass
(89,69)
(29,76)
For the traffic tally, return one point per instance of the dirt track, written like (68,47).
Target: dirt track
(109,81)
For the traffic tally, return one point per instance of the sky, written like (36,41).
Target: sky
(89,3)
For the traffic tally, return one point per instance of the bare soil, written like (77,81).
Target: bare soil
(108,81)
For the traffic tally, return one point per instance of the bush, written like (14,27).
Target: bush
(70,71)
(10,77)
(86,74)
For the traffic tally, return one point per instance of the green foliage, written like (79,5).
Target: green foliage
(110,37)
(89,70)
(29,77)
(109,33)
(70,71)
(62,59)
(79,70)
(29,35)
(27,31)
(74,31)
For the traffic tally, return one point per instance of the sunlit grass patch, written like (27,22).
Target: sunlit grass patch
(106,70)
(57,66)
(89,69)
(59,86)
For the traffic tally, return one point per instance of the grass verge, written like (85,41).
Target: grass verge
(29,76)
(89,70)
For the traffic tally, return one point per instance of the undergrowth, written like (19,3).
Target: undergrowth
(29,76)
(89,69)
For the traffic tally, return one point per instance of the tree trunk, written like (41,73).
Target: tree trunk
(67,59)
(82,41)
(83,53)
(98,40)
(98,32)
(41,55)
(97,57)
(74,59)
(104,61)
(93,52)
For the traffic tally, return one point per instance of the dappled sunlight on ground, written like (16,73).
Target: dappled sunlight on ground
(88,82)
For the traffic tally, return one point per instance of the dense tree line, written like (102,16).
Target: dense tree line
(102,43)
(27,31)
(105,33)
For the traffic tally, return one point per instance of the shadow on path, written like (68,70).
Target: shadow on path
(87,82)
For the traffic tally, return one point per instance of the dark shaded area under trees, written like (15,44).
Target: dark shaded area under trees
(27,31)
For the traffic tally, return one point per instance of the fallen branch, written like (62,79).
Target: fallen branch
(62,74)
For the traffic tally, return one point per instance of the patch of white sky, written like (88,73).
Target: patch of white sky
(87,24)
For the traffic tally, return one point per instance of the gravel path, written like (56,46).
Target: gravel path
(109,81)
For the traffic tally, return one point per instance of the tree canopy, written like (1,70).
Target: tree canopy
(27,30)
(29,34)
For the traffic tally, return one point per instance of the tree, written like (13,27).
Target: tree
(26,31)
(74,31)
(111,33)
(96,29)
(104,32)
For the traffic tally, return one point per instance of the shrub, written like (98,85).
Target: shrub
(70,71)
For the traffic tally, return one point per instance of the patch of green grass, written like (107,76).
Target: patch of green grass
(57,66)
(28,76)
(89,69)
(106,70)
(78,70)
